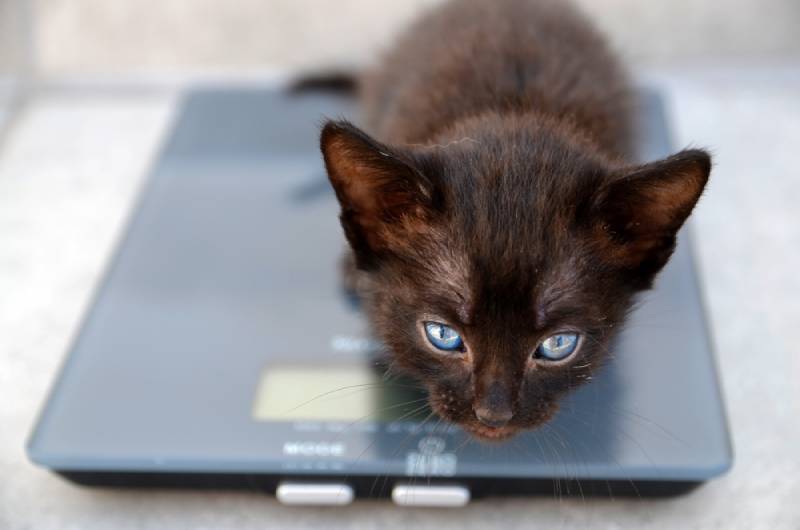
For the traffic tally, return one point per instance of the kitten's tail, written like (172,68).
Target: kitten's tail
(339,82)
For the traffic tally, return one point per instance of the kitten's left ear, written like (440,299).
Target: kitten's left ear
(642,210)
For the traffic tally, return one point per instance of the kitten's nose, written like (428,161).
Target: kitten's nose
(493,418)
(494,408)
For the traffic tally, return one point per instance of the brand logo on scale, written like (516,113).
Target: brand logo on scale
(431,459)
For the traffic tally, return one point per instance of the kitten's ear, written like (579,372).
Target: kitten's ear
(642,210)
(385,199)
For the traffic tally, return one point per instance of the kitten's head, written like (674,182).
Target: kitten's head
(498,266)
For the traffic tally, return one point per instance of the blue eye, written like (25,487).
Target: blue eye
(443,337)
(557,347)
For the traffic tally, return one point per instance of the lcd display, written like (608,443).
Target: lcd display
(349,392)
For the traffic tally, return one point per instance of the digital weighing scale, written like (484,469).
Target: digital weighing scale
(220,350)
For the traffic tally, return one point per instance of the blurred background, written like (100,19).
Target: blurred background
(87,91)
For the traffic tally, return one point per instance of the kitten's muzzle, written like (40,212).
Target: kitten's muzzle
(493,418)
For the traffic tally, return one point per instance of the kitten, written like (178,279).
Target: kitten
(498,233)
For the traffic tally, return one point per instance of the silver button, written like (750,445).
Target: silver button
(423,495)
(300,493)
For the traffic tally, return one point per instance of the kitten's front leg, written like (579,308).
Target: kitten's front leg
(350,278)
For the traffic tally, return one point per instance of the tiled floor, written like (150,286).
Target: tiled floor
(69,171)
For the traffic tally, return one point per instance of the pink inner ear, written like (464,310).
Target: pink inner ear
(371,183)
(657,198)
(383,197)
(643,210)
(356,183)
(658,207)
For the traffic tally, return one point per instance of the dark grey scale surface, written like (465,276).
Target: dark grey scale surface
(220,349)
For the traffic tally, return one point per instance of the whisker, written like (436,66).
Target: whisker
(401,445)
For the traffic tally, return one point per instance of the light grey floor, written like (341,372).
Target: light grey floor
(70,169)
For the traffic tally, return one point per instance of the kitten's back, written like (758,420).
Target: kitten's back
(510,56)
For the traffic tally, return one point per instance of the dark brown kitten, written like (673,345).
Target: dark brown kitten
(492,200)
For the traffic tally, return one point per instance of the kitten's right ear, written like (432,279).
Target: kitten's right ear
(385,199)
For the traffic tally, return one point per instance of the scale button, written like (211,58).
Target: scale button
(424,495)
(324,494)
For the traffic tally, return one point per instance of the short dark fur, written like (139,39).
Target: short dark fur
(492,193)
